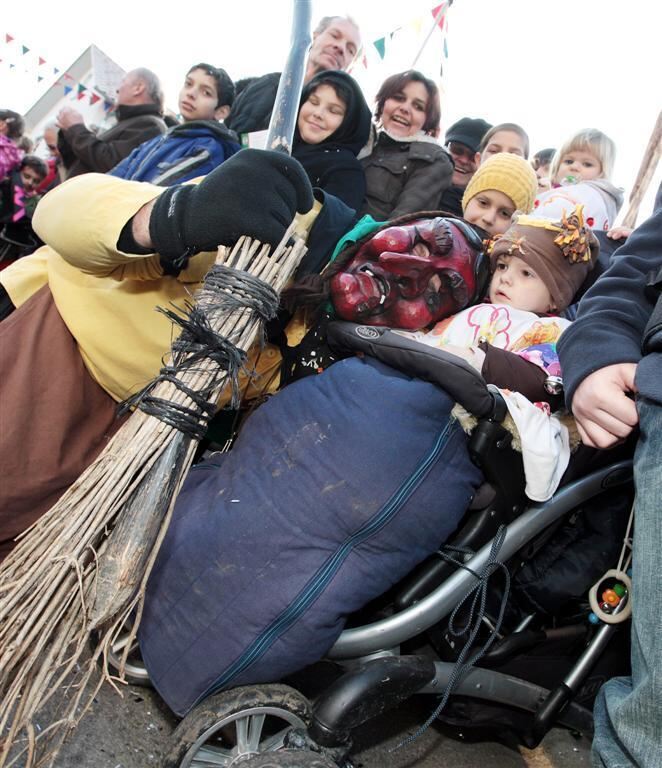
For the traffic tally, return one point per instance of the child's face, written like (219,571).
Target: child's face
(199,97)
(580,164)
(405,113)
(515,284)
(492,210)
(542,174)
(503,141)
(320,115)
(30,179)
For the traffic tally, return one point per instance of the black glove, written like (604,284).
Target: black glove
(255,193)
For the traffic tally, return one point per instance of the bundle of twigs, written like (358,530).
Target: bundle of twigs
(84,565)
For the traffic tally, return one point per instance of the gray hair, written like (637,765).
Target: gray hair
(152,84)
(326,21)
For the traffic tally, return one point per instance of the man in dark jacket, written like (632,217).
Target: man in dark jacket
(336,42)
(139,117)
(612,365)
(462,141)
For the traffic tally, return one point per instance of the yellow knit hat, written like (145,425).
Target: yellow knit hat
(506,173)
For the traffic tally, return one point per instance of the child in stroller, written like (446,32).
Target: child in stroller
(332,492)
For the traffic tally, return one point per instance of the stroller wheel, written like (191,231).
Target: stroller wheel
(289,758)
(230,727)
(134,669)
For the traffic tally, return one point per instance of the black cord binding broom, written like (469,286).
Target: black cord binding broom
(81,570)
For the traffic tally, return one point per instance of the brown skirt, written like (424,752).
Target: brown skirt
(54,418)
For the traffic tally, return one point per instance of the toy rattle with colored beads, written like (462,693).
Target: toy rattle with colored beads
(611,596)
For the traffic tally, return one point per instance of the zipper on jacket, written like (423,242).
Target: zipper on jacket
(182,166)
(329,569)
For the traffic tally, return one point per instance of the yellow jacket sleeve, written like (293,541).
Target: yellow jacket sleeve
(26,276)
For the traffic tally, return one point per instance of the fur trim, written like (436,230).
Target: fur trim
(468,421)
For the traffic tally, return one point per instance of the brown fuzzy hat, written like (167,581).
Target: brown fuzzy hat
(562,253)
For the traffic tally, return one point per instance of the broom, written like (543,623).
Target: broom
(84,565)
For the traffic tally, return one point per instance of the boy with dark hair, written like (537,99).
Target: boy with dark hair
(32,171)
(199,144)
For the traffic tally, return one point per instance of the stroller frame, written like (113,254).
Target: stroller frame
(378,678)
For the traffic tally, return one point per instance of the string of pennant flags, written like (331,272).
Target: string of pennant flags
(40,68)
(439,13)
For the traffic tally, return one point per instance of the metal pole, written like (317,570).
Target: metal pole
(286,106)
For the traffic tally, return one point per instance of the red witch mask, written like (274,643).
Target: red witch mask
(410,276)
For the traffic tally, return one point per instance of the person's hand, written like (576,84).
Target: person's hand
(619,233)
(601,405)
(255,193)
(67,117)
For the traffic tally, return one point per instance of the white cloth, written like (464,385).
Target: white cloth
(599,198)
(545,446)
(545,443)
(515,330)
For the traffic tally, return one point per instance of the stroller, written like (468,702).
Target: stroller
(543,659)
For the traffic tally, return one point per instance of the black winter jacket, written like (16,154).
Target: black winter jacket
(83,151)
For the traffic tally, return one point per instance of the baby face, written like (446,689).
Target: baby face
(517,285)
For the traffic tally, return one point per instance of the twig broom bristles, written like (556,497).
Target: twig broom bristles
(84,565)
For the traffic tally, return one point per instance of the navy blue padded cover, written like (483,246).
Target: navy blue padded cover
(336,488)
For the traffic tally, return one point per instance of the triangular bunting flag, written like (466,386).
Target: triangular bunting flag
(107,105)
(94,98)
(81,88)
(417,24)
(380,45)
(67,76)
(67,90)
(8,38)
(397,29)
(11,66)
(25,49)
(55,70)
(435,12)
(39,78)
(41,61)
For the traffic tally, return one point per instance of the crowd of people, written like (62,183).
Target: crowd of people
(395,238)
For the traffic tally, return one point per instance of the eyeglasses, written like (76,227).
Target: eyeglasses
(460,150)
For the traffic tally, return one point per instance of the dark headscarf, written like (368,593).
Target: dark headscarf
(353,132)
(331,165)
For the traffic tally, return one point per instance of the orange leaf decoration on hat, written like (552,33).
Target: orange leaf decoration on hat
(516,244)
(490,242)
(573,240)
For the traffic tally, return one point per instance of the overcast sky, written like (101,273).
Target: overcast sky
(553,67)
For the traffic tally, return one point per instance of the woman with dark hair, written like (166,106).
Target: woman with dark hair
(406,169)
(332,128)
